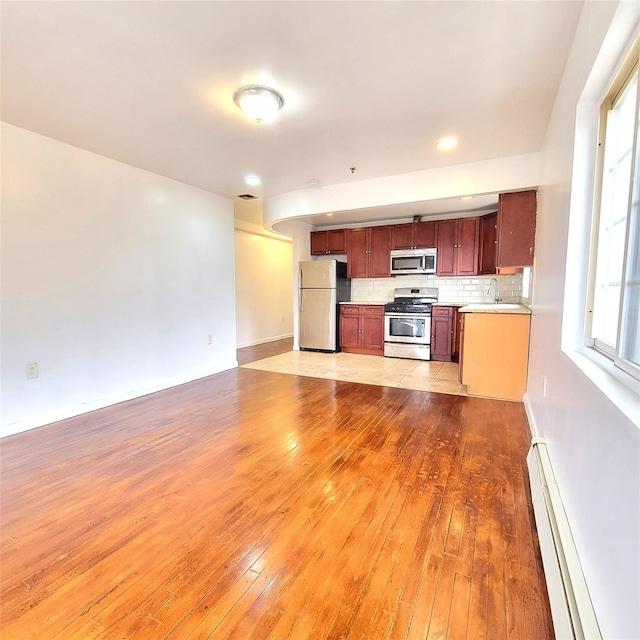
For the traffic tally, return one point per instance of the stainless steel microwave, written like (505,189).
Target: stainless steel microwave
(415,261)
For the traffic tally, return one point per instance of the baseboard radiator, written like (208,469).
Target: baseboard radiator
(571,608)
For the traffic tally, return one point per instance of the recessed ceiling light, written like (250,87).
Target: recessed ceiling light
(329,215)
(253,181)
(447,143)
(258,102)
(466,198)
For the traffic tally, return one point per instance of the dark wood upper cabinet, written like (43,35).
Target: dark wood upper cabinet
(466,246)
(402,236)
(488,244)
(447,245)
(368,252)
(516,229)
(357,253)
(458,247)
(467,262)
(379,252)
(426,234)
(414,235)
(333,241)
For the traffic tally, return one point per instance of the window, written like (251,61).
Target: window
(613,325)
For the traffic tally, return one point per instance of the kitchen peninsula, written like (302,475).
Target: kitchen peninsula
(495,350)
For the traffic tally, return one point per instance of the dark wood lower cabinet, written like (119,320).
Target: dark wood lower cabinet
(445,338)
(362,329)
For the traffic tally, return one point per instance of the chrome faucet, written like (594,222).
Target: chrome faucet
(497,299)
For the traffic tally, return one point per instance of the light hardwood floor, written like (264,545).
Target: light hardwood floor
(260,505)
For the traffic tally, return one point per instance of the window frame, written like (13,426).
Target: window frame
(617,86)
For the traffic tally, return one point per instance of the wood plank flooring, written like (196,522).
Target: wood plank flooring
(260,505)
(263,350)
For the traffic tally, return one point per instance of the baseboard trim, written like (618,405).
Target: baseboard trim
(93,405)
(533,425)
(264,341)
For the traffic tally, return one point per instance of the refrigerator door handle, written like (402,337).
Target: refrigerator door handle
(300,280)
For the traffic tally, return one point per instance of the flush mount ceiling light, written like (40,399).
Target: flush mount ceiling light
(258,102)
(447,144)
(252,181)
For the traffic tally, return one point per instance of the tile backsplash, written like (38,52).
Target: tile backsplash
(455,290)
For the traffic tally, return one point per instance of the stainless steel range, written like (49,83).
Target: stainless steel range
(407,323)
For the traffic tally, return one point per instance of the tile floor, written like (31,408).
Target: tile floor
(440,377)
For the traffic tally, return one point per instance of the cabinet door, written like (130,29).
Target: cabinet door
(337,241)
(426,235)
(372,327)
(402,236)
(357,253)
(441,333)
(349,328)
(467,259)
(446,263)
(488,242)
(318,243)
(379,252)
(516,229)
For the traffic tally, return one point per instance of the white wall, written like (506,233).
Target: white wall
(300,233)
(112,280)
(264,288)
(594,447)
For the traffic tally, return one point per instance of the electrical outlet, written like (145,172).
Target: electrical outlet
(32,370)
(209,339)
(544,386)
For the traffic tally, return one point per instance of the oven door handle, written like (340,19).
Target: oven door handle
(391,314)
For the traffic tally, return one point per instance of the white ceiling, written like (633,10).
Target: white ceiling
(367,84)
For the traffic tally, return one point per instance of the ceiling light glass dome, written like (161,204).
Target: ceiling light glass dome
(258,102)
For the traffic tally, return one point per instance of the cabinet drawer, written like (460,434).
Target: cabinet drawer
(347,309)
(440,312)
(373,311)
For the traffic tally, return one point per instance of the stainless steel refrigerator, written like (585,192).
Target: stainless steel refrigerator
(323,284)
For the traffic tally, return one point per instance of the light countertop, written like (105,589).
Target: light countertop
(366,304)
(489,307)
